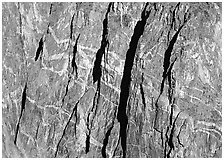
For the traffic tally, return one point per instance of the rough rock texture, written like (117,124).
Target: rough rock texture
(111,80)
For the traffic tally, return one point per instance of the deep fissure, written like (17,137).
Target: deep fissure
(126,78)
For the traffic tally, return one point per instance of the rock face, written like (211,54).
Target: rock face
(111,80)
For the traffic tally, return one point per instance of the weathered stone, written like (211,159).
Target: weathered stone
(146,81)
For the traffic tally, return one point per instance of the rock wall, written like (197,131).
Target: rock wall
(111,80)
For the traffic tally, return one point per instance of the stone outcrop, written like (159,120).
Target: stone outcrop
(135,80)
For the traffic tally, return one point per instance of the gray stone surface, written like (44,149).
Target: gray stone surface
(111,80)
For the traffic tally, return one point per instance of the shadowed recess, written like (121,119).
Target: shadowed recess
(97,72)
(126,79)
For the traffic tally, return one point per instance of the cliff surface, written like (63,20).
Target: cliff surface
(111,80)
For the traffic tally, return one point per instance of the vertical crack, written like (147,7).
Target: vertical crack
(22,111)
(66,91)
(71,26)
(126,79)
(97,72)
(106,139)
(50,8)
(142,93)
(174,15)
(64,130)
(23,102)
(167,137)
(38,126)
(87,142)
(167,56)
(91,116)
(171,89)
(74,65)
(178,136)
(167,68)
(162,139)
(170,139)
(39,49)
(73,62)
(20,26)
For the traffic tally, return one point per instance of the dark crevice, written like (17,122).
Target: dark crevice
(167,56)
(97,72)
(178,139)
(158,109)
(116,147)
(74,65)
(167,137)
(90,121)
(170,96)
(73,62)
(66,91)
(105,141)
(20,25)
(87,142)
(178,136)
(48,28)
(50,8)
(157,116)
(93,111)
(113,7)
(76,117)
(126,79)
(23,102)
(64,130)
(142,94)
(170,139)
(174,15)
(74,111)
(71,26)
(171,80)
(167,72)
(39,49)
(38,126)
(162,139)
(21,113)
(171,114)
(155,8)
